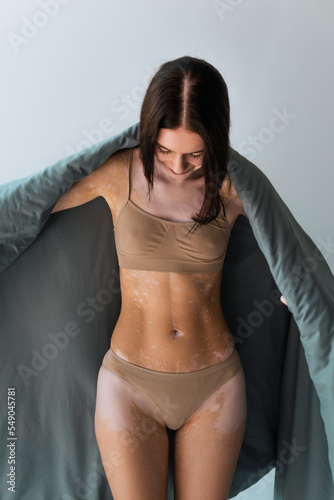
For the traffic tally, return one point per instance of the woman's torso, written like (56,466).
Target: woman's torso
(169,321)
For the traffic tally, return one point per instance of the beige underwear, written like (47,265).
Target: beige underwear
(175,396)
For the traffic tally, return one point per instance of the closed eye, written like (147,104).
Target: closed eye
(164,152)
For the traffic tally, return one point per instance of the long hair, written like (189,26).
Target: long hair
(190,93)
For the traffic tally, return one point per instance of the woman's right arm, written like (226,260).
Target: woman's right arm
(81,192)
(96,184)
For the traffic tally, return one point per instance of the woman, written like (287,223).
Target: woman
(59,285)
(172,359)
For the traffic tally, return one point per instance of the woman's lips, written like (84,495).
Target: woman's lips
(183,173)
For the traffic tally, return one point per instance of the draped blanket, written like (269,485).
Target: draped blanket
(60,300)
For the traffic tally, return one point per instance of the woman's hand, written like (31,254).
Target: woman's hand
(283,299)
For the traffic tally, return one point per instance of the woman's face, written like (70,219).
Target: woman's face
(179,151)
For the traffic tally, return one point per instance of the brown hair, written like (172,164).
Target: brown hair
(189,92)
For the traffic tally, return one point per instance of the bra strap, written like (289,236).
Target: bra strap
(128,194)
(130,160)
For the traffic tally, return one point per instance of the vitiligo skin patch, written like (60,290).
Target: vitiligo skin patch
(171,327)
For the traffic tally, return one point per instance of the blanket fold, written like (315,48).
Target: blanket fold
(54,266)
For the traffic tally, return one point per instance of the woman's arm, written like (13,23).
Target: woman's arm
(81,192)
(232,202)
(97,183)
(231,197)
(235,208)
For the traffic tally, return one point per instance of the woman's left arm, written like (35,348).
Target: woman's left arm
(232,198)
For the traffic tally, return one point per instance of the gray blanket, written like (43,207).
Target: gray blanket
(53,339)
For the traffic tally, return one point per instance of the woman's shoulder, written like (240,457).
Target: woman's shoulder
(108,180)
(115,163)
(230,197)
(112,167)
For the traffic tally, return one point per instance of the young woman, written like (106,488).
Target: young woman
(172,360)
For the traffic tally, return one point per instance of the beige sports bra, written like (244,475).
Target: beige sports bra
(147,242)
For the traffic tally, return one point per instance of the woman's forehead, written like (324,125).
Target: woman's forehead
(180,140)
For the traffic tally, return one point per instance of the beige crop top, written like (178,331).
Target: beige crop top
(148,242)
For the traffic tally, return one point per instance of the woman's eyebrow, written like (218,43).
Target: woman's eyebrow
(194,152)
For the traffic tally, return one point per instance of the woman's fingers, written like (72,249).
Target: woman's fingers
(283,299)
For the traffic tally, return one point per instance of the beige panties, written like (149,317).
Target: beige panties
(175,396)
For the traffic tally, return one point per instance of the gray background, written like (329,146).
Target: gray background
(74,73)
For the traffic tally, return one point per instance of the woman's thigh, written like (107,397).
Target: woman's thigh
(207,446)
(132,440)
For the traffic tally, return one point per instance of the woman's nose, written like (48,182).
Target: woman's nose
(179,165)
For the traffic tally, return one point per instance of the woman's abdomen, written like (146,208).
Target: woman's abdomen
(170,321)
